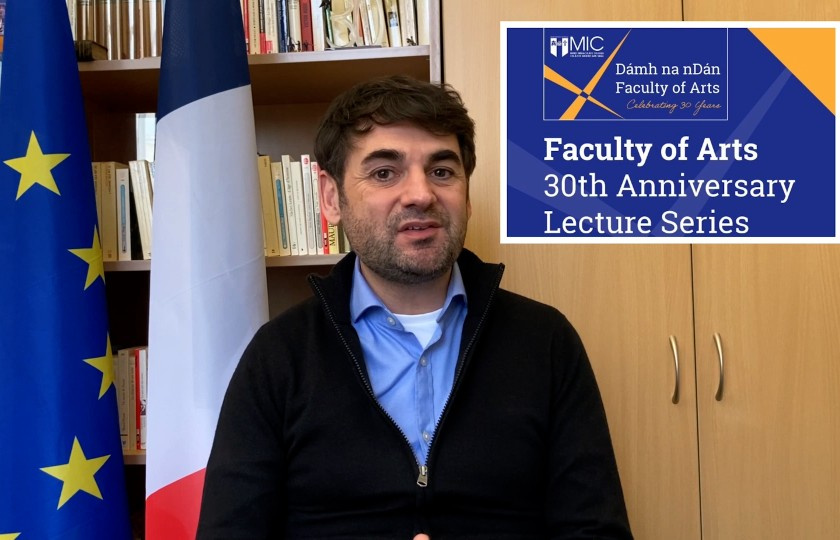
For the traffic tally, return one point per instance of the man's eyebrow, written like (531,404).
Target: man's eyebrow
(383,153)
(444,155)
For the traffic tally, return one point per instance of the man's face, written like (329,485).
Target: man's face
(404,203)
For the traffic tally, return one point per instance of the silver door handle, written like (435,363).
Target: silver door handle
(719,345)
(675,397)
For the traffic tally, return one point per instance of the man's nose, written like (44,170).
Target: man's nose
(418,189)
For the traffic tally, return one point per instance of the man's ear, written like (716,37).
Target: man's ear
(328,193)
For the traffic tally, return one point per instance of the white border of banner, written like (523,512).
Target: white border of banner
(504,239)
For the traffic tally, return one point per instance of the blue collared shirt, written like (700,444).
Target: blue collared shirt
(411,382)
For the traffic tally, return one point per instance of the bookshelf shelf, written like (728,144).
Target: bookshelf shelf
(270,262)
(305,77)
(134,459)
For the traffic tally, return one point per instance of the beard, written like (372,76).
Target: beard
(425,260)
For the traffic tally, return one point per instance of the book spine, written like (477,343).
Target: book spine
(121,386)
(131,365)
(306,25)
(408,23)
(422,22)
(291,209)
(123,215)
(311,240)
(253,27)
(263,43)
(279,196)
(271,26)
(108,232)
(293,15)
(300,207)
(142,360)
(138,171)
(318,36)
(282,26)
(316,210)
(153,25)
(269,207)
(332,239)
(138,421)
(243,6)
(97,193)
(392,17)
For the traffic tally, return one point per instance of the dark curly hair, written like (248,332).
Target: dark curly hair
(437,108)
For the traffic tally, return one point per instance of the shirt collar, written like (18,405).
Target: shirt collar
(362,297)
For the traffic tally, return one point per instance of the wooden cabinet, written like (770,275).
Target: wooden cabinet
(764,461)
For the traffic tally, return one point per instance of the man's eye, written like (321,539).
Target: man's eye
(383,174)
(441,173)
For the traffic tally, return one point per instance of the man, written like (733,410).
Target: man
(411,395)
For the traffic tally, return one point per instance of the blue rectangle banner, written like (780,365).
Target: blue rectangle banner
(669,132)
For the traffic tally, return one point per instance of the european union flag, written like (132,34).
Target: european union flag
(61,467)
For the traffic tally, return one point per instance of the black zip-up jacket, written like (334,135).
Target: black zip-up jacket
(522,449)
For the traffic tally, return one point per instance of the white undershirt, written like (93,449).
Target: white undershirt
(423,325)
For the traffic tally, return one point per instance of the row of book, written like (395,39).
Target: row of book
(131,381)
(275,26)
(122,29)
(291,209)
(124,197)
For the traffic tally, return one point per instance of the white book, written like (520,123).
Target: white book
(123,215)
(138,172)
(291,212)
(309,211)
(392,20)
(280,198)
(270,8)
(316,210)
(253,27)
(141,356)
(300,207)
(318,32)
(423,22)
(408,23)
(293,15)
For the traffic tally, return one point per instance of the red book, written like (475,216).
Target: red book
(306,25)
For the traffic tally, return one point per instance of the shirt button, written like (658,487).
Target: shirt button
(426,436)
(391,321)
(423,361)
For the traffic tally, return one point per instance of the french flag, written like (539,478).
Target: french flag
(208,283)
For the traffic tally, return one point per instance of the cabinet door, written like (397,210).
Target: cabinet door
(770,448)
(624,300)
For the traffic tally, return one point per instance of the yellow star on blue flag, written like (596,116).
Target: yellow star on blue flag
(61,467)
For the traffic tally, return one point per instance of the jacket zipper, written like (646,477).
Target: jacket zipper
(423,471)
(461,365)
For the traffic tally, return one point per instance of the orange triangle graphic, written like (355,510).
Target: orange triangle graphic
(809,54)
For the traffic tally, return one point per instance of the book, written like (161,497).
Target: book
(243,6)
(318,35)
(280,197)
(85,20)
(306,25)
(309,210)
(271,26)
(269,207)
(300,207)
(87,50)
(128,30)
(291,209)
(253,27)
(392,20)
(152,27)
(97,194)
(293,18)
(105,27)
(261,19)
(108,230)
(282,26)
(377,22)
(123,188)
(316,210)
(131,408)
(408,23)
(333,235)
(141,359)
(139,174)
(122,387)
(423,20)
